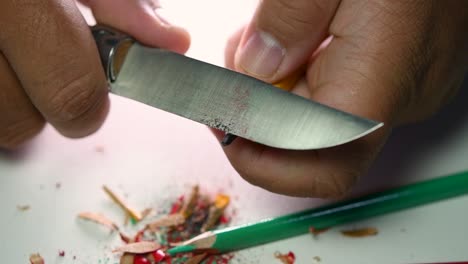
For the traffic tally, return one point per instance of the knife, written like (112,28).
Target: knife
(233,102)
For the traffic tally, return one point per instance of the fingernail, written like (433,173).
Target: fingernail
(261,55)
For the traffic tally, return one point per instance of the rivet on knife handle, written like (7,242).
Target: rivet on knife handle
(112,46)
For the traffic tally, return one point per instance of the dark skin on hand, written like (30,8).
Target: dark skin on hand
(393,61)
(50,68)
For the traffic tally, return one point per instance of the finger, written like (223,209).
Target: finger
(141,20)
(57,63)
(372,66)
(282,36)
(325,173)
(19,120)
(361,75)
(231,47)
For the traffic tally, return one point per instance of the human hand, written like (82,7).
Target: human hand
(392,61)
(49,65)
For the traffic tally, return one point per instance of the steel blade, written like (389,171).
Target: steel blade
(234,102)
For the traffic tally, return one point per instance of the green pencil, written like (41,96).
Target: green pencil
(272,229)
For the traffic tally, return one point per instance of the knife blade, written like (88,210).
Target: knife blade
(223,99)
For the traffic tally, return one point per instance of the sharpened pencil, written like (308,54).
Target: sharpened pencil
(273,229)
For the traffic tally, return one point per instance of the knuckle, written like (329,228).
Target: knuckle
(18,132)
(246,172)
(74,98)
(288,20)
(338,184)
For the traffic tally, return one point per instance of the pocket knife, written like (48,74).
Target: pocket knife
(233,102)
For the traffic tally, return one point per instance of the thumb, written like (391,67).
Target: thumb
(282,36)
(141,20)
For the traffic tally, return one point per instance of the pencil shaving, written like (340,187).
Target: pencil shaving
(126,238)
(127,259)
(188,207)
(288,258)
(222,201)
(121,202)
(23,208)
(196,259)
(362,232)
(314,231)
(216,211)
(167,221)
(99,219)
(147,212)
(138,247)
(36,259)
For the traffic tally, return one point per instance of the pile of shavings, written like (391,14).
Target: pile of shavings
(188,217)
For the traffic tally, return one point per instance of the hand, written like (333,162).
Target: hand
(392,61)
(49,65)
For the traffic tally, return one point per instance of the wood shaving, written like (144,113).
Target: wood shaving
(216,211)
(126,219)
(126,238)
(99,219)
(139,247)
(222,201)
(127,259)
(288,258)
(188,207)
(146,212)
(166,221)
(23,208)
(317,232)
(121,202)
(362,232)
(196,259)
(36,259)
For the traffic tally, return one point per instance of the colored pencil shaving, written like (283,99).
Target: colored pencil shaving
(216,211)
(362,232)
(187,209)
(123,204)
(197,259)
(184,221)
(288,258)
(139,247)
(317,232)
(36,259)
(99,219)
(23,208)
(166,221)
(127,258)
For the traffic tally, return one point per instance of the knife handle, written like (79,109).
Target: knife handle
(113,46)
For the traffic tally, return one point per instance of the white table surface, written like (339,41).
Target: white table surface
(153,156)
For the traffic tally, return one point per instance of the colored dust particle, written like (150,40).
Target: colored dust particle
(188,217)
(314,231)
(288,258)
(362,232)
(23,208)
